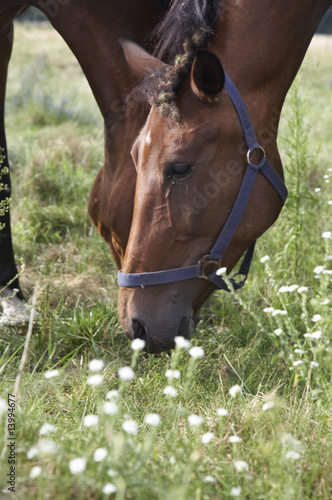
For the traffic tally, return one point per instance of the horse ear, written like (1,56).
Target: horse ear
(140,61)
(207,75)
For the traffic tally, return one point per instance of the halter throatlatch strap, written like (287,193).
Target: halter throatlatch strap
(200,270)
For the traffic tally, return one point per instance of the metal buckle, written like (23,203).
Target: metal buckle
(206,261)
(254,149)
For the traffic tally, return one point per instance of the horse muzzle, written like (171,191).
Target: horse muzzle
(157,325)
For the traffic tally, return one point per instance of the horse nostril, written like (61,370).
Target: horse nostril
(138,330)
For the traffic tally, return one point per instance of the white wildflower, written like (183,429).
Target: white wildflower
(318,190)
(302,289)
(51,373)
(126,373)
(327,234)
(32,452)
(35,471)
(325,302)
(316,317)
(94,380)
(46,429)
(234,390)
(195,420)
(152,419)
(182,342)
(279,311)
(268,405)
(241,465)
(100,454)
(314,364)
(278,331)
(130,427)
(298,362)
(207,437)
(196,352)
(314,335)
(299,351)
(222,412)
(268,309)
(170,391)
(109,488)
(112,394)
(172,374)
(265,258)
(209,479)
(77,465)
(287,288)
(235,439)
(289,441)
(292,455)
(329,202)
(110,408)
(236,491)
(172,460)
(90,420)
(318,269)
(47,447)
(138,344)
(96,365)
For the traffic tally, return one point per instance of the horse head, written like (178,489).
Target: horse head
(190,159)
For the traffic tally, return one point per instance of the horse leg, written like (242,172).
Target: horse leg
(11,296)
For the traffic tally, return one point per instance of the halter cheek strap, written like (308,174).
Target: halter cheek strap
(200,270)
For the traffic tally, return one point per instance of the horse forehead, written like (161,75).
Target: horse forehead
(169,139)
(193,136)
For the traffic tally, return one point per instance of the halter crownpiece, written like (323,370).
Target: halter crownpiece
(213,260)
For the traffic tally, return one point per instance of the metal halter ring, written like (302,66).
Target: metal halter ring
(205,262)
(255,149)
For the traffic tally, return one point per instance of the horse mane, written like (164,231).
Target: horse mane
(188,21)
(186,27)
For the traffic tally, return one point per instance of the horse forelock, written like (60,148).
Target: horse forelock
(186,27)
(189,21)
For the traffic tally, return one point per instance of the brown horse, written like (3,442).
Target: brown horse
(167,208)
(189,156)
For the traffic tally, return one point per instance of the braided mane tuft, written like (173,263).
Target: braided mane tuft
(186,27)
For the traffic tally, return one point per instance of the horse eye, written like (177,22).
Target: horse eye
(178,170)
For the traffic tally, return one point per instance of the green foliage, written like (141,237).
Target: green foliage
(298,163)
(280,361)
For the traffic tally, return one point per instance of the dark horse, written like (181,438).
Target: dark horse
(166,208)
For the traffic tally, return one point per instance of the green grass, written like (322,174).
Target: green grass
(56,146)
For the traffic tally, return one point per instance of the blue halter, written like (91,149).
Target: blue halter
(213,260)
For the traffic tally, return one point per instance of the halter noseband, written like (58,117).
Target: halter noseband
(201,269)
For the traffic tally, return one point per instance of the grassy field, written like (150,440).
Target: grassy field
(251,418)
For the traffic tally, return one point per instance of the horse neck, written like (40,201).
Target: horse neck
(262,47)
(92,31)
